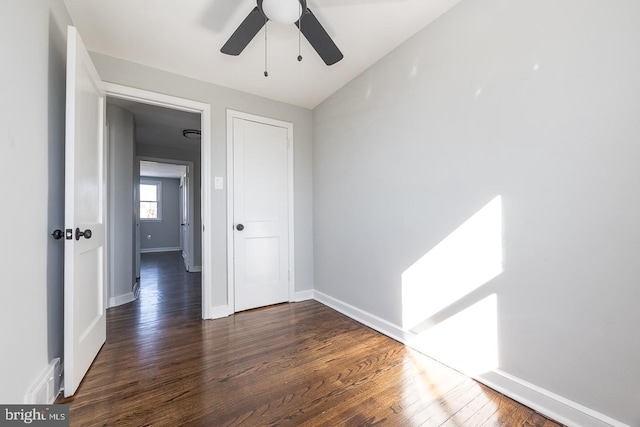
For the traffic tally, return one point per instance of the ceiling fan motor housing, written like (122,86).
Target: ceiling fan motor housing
(283,11)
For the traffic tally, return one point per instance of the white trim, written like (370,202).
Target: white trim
(303,295)
(548,403)
(206,213)
(232,114)
(206,209)
(154,98)
(154,250)
(195,269)
(231,294)
(372,321)
(122,299)
(110,266)
(221,311)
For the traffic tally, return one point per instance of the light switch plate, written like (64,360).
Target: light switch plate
(218,183)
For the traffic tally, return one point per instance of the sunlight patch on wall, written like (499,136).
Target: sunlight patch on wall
(466,341)
(465,260)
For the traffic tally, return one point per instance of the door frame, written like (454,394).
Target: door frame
(161,100)
(234,114)
(191,201)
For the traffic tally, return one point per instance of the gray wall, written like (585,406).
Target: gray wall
(537,102)
(165,233)
(161,152)
(220,98)
(121,213)
(32,109)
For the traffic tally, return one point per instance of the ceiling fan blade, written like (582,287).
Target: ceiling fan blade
(244,33)
(318,38)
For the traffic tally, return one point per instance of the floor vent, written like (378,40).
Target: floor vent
(46,389)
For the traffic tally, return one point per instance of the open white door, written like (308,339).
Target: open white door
(185,243)
(261,214)
(84,254)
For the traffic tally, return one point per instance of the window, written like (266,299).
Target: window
(150,198)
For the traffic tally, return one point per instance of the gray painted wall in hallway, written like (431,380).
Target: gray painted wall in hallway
(121,213)
(164,233)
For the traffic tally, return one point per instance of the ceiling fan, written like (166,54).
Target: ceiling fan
(284,12)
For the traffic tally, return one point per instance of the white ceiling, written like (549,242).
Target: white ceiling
(185,37)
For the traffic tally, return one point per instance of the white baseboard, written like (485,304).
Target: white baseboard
(219,312)
(121,299)
(368,319)
(46,389)
(303,296)
(547,403)
(153,250)
(226,310)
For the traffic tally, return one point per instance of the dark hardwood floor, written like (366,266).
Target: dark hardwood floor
(290,364)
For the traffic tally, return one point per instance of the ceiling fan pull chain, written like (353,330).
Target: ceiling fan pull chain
(266,21)
(299,34)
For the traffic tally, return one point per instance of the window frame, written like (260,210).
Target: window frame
(158,185)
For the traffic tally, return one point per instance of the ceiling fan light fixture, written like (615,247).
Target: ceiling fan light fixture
(191,133)
(282,11)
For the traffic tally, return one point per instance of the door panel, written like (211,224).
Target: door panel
(84,269)
(261,249)
(262,254)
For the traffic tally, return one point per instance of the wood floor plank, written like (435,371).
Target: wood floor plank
(299,364)
(508,413)
(467,412)
(537,420)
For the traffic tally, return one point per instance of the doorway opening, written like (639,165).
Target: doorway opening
(166,217)
(155,150)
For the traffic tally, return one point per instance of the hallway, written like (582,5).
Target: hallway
(166,291)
